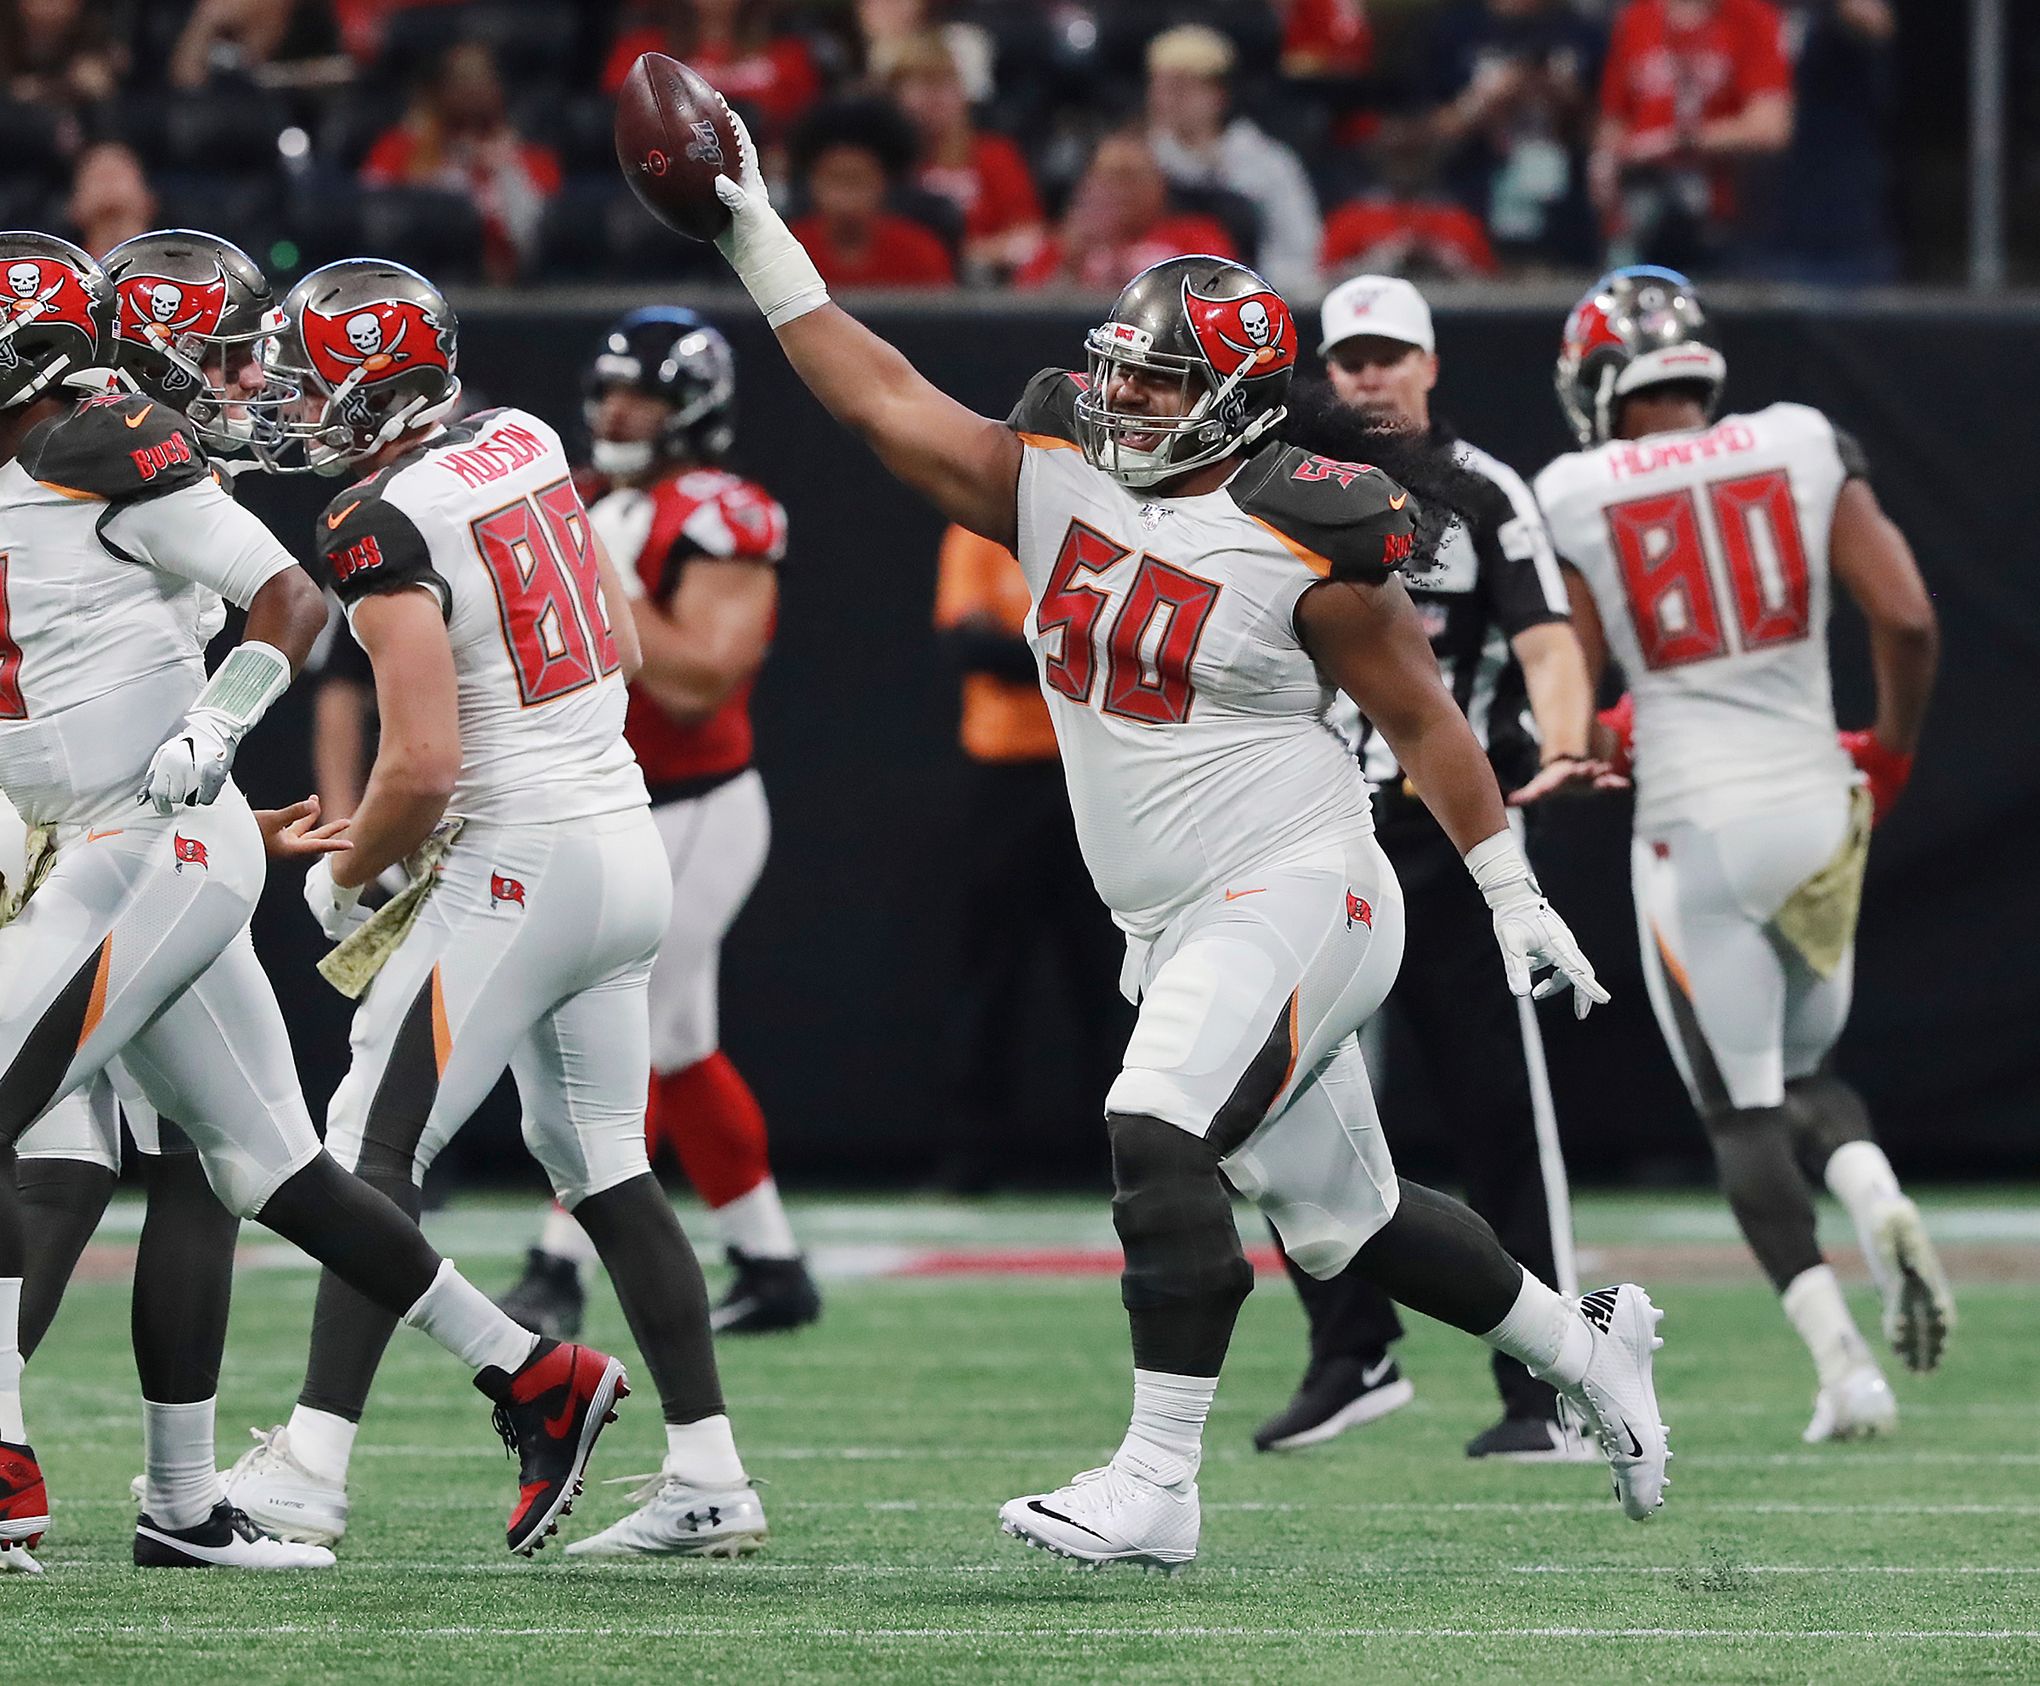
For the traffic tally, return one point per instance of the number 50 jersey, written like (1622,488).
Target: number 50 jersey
(485,517)
(1707,554)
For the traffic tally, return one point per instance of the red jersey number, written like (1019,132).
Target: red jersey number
(1151,640)
(1662,550)
(12,707)
(548,592)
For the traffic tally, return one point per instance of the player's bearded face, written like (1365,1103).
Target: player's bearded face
(1161,393)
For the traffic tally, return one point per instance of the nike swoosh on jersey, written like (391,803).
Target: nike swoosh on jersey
(1398,502)
(333,521)
(94,836)
(1234,895)
(139,416)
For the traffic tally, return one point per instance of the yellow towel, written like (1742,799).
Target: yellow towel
(352,965)
(1819,918)
(42,855)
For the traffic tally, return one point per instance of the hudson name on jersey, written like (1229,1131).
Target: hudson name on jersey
(1707,555)
(116,544)
(1192,723)
(485,517)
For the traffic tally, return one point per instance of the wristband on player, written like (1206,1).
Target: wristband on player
(1501,873)
(252,677)
(773,266)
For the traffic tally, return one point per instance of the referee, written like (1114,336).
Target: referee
(1495,608)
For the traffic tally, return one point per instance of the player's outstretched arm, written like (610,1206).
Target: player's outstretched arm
(1369,639)
(966,464)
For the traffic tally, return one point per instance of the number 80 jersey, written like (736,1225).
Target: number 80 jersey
(485,517)
(1707,555)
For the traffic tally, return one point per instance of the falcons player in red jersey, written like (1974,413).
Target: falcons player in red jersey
(699,548)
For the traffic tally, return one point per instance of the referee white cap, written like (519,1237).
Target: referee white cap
(1381,306)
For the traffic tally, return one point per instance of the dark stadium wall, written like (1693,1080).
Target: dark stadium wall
(837,975)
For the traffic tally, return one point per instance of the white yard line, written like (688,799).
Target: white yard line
(1020,1636)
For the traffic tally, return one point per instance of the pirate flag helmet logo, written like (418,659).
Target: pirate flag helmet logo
(56,314)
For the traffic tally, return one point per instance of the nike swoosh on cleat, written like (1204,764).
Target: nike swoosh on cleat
(557,1426)
(1635,1445)
(1371,1376)
(1055,1515)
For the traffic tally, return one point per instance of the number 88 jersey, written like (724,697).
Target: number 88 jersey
(1707,555)
(485,517)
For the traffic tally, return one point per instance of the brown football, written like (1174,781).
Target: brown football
(673,138)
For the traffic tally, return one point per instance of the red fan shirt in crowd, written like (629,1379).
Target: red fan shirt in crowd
(398,160)
(1105,269)
(900,253)
(995,190)
(1667,74)
(699,512)
(1327,38)
(777,80)
(1396,235)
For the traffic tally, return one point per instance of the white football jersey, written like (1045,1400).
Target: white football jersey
(1191,721)
(1707,555)
(485,516)
(116,548)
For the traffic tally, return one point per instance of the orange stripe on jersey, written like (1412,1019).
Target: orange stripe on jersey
(1049,442)
(95,1003)
(1317,564)
(71,492)
(442,1032)
(1676,971)
(1295,1038)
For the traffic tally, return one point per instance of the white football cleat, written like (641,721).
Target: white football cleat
(1919,1306)
(1617,1398)
(677,1519)
(224,1540)
(1855,1408)
(1113,1515)
(283,1497)
(14,1560)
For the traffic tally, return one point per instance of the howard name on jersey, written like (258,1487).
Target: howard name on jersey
(116,544)
(653,533)
(1707,554)
(1191,721)
(485,517)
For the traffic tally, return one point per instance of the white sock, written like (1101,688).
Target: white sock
(1168,1425)
(704,1453)
(321,1441)
(1861,1178)
(180,1467)
(12,1429)
(562,1238)
(1813,1300)
(1545,1332)
(470,1325)
(755,1223)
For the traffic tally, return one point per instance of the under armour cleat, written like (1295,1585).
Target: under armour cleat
(282,1496)
(765,1296)
(1857,1407)
(549,1414)
(227,1539)
(24,1500)
(1141,1512)
(678,1519)
(548,1298)
(1616,1400)
(1919,1306)
(1339,1394)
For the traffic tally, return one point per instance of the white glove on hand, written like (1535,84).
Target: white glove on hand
(191,769)
(773,266)
(1529,933)
(338,910)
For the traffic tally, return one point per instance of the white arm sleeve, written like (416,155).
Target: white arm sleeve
(199,533)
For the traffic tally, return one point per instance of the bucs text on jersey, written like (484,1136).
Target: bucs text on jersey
(485,516)
(117,543)
(1707,555)
(1191,720)
(653,533)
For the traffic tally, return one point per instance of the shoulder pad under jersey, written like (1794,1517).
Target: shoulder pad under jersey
(1048,407)
(363,544)
(1347,520)
(120,446)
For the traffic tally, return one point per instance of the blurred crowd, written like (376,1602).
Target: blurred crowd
(941,143)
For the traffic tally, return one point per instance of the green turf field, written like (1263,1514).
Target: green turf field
(890,1435)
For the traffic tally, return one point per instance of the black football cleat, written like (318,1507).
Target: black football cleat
(1533,1439)
(548,1298)
(1335,1395)
(549,1414)
(767,1295)
(224,1540)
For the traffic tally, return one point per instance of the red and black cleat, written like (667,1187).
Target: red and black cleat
(24,1500)
(549,1413)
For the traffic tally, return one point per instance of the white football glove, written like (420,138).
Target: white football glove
(1528,931)
(773,266)
(337,909)
(192,768)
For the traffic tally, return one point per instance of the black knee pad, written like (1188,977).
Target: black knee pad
(1174,1219)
